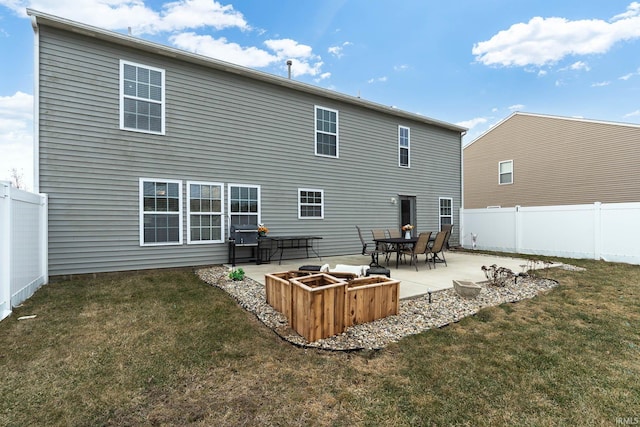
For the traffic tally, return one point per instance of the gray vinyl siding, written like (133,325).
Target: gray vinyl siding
(220,127)
(556,161)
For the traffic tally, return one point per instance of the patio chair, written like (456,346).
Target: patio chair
(384,247)
(437,249)
(447,228)
(421,247)
(374,253)
(395,233)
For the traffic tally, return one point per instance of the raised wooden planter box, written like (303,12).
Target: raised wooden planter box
(278,289)
(371,298)
(318,306)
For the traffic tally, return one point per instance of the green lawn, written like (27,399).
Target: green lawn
(163,348)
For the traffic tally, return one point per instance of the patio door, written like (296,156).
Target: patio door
(407,214)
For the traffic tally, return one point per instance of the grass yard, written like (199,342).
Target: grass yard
(163,348)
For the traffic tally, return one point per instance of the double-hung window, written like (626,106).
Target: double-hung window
(142,102)
(326,132)
(160,212)
(244,204)
(205,219)
(505,172)
(446,211)
(310,203)
(403,146)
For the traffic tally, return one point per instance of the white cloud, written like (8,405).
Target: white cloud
(16,136)
(472,123)
(120,14)
(632,10)
(632,114)
(377,79)
(179,20)
(547,40)
(515,107)
(542,73)
(403,67)
(337,51)
(222,49)
(580,66)
(601,84)
(322,76)
(629,75)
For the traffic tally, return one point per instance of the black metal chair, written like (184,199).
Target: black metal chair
(374,253)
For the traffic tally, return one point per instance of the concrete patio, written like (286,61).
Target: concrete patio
(461,265)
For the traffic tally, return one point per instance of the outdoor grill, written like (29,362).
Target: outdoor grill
(244,234)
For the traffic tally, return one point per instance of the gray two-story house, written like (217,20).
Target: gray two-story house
(149,154)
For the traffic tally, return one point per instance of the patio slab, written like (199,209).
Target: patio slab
(461,266)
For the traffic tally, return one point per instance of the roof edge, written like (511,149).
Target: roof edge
(157,48)
(550,116)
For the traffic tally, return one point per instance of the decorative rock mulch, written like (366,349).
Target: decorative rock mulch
(416,314)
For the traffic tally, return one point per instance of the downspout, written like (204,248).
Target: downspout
(36,105)
(460,214)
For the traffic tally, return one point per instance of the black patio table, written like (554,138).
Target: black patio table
(397,242)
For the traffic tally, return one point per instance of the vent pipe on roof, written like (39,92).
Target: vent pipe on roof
(289,63)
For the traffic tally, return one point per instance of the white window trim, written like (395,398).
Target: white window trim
(122,95)
(229,213)
(500,172)
(408,147)
(440,216)
(221,213)
(315,132)
(316,190)
(142,212)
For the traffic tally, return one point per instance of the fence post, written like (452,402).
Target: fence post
(597,230)
(518,234)
(5,249)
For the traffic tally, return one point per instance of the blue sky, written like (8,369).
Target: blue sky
(469,62)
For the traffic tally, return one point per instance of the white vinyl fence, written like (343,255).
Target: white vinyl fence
(23,245)
(607,231)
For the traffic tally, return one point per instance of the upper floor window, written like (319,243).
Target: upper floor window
(205,207)
(505,172)
(446,211)
(141,98)
(403,146)
(326,132)
(310,203)
(160,212)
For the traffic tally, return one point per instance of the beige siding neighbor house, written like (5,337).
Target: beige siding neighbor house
(541,160)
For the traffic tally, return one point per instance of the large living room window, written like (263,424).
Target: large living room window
(505,172)
(244,204)
(326,132)
(310,203)
(205,207)
(160,212)
(141,98)
(403,146)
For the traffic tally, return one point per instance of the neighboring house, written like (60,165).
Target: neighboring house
(541,160)
(148,154)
